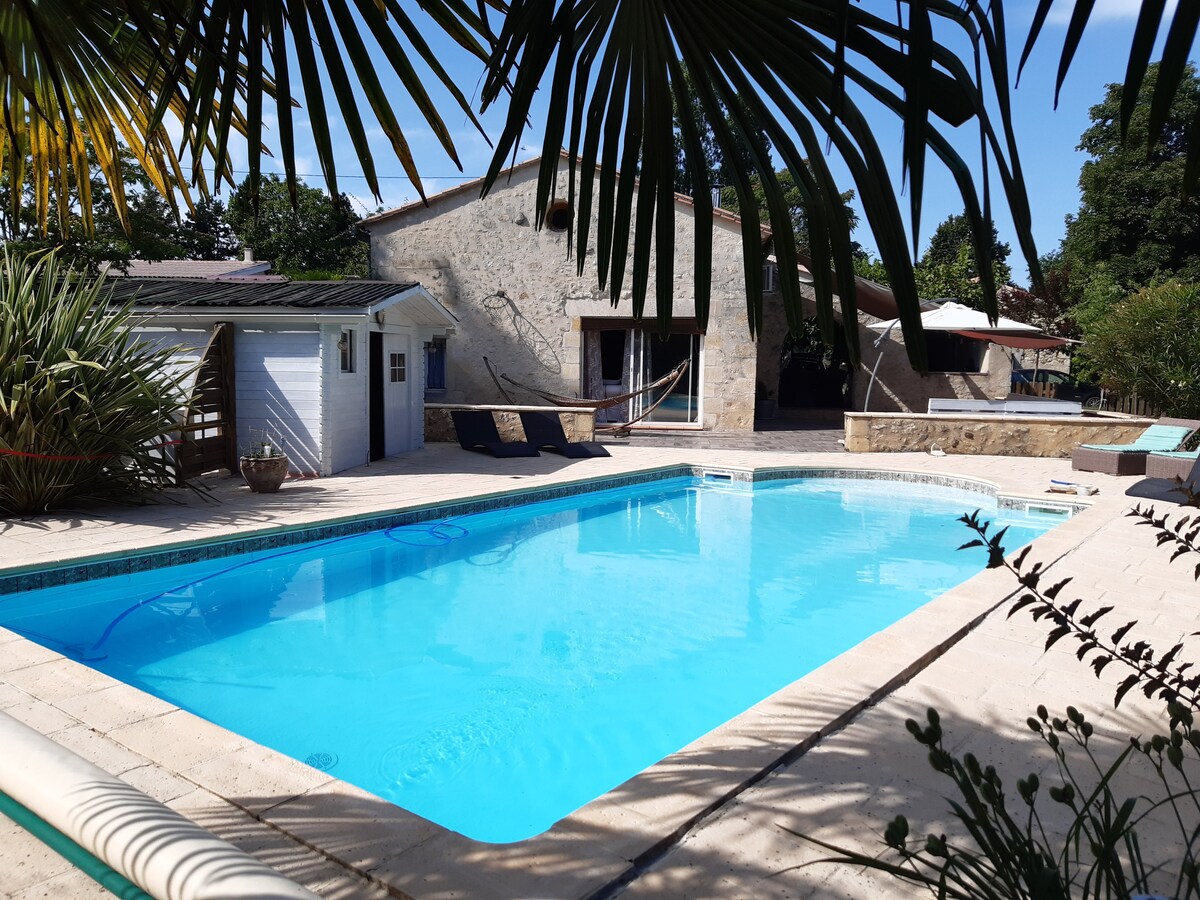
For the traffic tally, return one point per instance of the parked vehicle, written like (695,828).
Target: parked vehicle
(1062,385)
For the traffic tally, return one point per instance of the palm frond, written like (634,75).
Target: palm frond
(614,67)
(74,74)
(84,73)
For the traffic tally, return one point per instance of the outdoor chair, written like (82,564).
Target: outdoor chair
(476,430)
(1165,435)
(545,431)
(1170,465)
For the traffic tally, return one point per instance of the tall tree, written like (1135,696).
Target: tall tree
(957,278)
(950,266)
(720,164)
(149,230)
(1134,221)
(953,233)
(797,208)
(319,237)
(206,234)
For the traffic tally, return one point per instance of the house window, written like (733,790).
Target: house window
(346,348)
(397,367)
(950,352)
(435,365)
(768,277)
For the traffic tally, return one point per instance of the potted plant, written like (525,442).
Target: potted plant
(265,466)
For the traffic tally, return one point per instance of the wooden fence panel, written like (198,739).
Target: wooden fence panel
(1133,406)
(210,432)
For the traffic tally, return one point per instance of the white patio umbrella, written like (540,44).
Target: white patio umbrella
(952,316)
(949,315)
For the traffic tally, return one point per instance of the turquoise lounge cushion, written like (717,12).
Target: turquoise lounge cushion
(1179,454)
(1156,438)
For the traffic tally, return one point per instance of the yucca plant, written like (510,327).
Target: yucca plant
(86,411)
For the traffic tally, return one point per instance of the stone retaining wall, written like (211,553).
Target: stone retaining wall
(986,435)
(578,423)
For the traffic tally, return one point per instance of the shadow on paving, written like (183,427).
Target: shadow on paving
(842,791)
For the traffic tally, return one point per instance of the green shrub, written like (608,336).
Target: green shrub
(1149,344)
(85,410)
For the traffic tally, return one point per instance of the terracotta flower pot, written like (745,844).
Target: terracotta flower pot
(264,475)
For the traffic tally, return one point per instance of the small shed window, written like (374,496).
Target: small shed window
(435,365)
(398,367)
(346,349)
(768,277)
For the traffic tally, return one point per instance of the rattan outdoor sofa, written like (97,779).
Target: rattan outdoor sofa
(1165,435)
(1175,464)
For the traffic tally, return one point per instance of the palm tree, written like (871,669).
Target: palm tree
(110,71)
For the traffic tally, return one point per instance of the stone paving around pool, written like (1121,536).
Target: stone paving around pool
(688,836)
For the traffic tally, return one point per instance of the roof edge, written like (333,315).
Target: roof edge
(684,199)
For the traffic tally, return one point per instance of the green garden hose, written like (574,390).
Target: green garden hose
(94,868)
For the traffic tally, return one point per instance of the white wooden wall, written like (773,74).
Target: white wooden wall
(290,386)
(191,342)
(278,375)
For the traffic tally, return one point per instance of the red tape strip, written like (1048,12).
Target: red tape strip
(75,458)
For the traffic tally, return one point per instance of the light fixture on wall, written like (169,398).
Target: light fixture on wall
(343,343)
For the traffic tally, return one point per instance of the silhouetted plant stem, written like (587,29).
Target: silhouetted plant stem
(1160,676)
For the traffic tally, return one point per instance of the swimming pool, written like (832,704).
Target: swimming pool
(495,672)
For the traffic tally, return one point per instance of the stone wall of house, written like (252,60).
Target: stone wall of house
(578,424)
(519,299)
(897,387)
(986,435)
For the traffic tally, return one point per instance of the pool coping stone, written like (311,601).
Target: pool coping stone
(613,838)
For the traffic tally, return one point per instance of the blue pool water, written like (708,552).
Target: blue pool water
(495,672)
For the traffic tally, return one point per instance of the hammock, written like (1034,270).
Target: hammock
(669,381)
(607,403)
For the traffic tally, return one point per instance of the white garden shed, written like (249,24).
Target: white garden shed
(333,371)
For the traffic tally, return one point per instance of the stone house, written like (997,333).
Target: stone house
(521,304)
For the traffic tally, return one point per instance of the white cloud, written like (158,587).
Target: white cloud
(1105,11)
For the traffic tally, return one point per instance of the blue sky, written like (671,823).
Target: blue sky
(1046,137)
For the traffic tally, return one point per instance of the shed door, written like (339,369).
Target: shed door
(397,380)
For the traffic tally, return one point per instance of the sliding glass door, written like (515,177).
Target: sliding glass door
(621,358)
(652,358)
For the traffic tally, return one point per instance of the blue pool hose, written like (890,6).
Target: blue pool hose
(444,532)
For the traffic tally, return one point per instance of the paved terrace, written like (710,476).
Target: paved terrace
(862,770)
